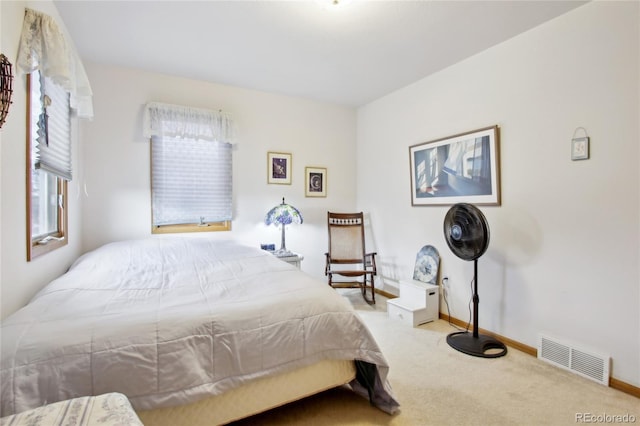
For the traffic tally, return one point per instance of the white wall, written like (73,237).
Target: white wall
(564,251)
(19,279)
(118,204)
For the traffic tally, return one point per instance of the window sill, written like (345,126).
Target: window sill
(209,227)
(36,250)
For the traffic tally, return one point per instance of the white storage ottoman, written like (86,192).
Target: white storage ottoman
(418,303)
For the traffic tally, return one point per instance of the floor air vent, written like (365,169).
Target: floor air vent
(587,364)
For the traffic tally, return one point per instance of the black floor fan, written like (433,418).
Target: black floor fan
(467,234)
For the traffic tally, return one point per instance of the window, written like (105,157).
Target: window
(190,185)
(48,164)
(191,169)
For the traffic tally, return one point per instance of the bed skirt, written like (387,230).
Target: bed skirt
(255,397)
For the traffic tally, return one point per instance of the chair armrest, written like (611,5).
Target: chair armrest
(327,263)
(370,258)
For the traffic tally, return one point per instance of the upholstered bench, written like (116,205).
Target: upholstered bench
(109,409)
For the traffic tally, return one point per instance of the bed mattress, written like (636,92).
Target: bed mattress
(255,397)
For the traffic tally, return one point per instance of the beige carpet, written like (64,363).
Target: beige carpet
(437,385)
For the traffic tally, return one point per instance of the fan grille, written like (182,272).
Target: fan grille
(466,231)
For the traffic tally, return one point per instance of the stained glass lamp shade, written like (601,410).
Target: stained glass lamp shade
(283,214)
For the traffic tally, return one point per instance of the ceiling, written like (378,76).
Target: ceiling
(350,54)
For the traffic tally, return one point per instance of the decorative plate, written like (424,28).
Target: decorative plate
(427,262)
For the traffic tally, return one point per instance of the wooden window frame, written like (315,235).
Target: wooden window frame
(34,247)
(192,227)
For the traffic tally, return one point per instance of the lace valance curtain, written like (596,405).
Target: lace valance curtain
(43,47)
(186,122)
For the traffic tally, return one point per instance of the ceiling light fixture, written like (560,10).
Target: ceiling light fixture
(334,4)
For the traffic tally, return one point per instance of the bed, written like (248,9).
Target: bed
(185,325)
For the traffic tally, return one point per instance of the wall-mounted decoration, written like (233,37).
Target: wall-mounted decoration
(6,89)
(315,182)
(455,169)
(279,168)
(580,146)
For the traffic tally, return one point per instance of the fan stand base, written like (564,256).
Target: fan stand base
(480,346)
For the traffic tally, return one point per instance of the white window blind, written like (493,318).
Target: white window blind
(51,127)
(191,181)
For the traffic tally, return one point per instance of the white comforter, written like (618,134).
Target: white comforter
(167,321)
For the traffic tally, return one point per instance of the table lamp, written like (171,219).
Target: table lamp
(283,214)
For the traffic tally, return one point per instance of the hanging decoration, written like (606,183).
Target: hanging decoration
(6,89)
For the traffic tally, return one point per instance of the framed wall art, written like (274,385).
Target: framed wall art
(463,168)
(580,148)
(279,168)
(315,182)
(580,145)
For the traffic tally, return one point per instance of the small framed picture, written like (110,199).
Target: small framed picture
(580,148)
(315,182)
(279,168)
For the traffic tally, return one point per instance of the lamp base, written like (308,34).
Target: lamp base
(283,253)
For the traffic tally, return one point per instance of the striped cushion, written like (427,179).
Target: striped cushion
(109,409)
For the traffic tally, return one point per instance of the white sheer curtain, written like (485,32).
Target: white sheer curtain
(43,47)
(166,120)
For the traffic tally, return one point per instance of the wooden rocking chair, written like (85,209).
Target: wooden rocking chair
(347,256)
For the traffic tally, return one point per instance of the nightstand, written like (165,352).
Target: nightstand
(294,259)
